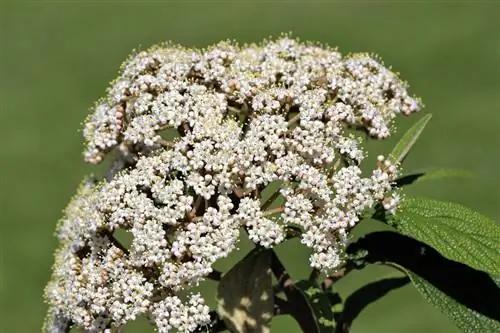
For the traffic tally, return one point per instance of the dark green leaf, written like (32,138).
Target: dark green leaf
(470,287)
(457,232)
(404,145)
(245,296)
(465,318)
(319,304)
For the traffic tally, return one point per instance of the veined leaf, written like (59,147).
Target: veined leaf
(457,232)
(470,287)
(469,296)
(245,296)
(466,319)
(404,145)
(432,175)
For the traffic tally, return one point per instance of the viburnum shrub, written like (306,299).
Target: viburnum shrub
(264,142)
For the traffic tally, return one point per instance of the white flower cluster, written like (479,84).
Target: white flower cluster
(277,117)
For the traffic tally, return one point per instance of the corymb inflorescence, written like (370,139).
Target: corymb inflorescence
(204,144)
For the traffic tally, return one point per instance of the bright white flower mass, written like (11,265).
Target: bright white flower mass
(196,138)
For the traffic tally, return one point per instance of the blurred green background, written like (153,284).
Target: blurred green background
(57,57)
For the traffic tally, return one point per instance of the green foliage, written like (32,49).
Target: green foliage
(319,304)
(457,232)
(245,296)
(468,296)
(407,141)
(468,320)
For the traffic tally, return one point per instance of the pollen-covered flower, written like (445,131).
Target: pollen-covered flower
(204,144)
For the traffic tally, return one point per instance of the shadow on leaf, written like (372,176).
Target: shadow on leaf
(364,296)
(470,287)
(408,179)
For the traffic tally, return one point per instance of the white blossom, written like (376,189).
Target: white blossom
(172,313)
(279,116)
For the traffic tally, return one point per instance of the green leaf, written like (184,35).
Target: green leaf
(457,232)
(466,319)
(432,175)
(404,145)
(245,296)
(469,296)
(319,304)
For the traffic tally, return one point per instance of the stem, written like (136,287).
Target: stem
(314,274)
(270,200)
(248,114)
(297,304)
(240,192)
(233,109)
(272,211)
(279,271)
(183,129)
(165,143)
(281,306)
(164,127)
(294,119)
(196,205)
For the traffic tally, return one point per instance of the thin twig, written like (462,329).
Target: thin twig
(256,193)
(165,143)
(240,192)
(314,274)
(281,306)
(298,307)
(197,203)
(234,109)
(279,271)
(294,119)
(270,200)
(164,127)
(248,114)
(272,211)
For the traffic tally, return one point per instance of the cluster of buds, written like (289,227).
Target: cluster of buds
(204,144)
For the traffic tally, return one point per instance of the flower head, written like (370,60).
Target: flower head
(196,139)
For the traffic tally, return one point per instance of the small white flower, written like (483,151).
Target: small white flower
(196,138)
